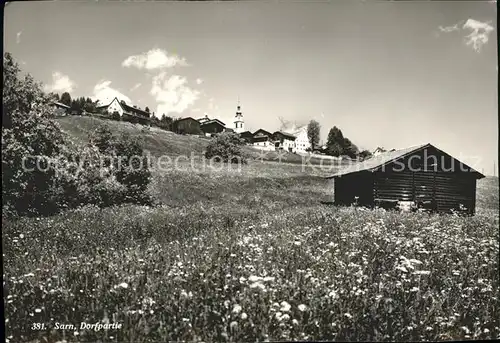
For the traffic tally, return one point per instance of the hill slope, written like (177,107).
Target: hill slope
(160,142)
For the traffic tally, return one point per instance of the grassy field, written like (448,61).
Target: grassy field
(252,254)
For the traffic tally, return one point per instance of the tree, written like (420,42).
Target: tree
(226,147)
(334,143)
(147,109)
(313,130)
(28,137)
(66,99)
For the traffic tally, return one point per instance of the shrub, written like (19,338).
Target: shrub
(226,147)
(123,157)
(115,116)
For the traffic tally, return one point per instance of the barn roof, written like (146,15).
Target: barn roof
(375,162)
(210,121)
(286,134)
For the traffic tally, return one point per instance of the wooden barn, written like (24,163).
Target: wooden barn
(422,176)
(186,125)
(212,127)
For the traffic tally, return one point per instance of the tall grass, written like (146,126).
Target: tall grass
(251,255)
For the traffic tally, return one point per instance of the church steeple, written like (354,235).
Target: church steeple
(239,124)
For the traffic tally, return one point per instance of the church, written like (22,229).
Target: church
(239,123)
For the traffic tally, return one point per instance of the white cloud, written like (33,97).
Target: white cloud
(172,94)
(105,94)
(450,28)
(18,37)
(154,59)
(199,81)
(60,83)
(137,85)
(479,32)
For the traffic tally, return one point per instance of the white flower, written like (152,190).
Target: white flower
(236,309)
(37,310)
(254,278)
(21,236)
(348,315)
(123,285)
(243,316)
(333,294)
(233,325)
(258,285)
(285,307)
(297,243)
(414,289)
(302,307)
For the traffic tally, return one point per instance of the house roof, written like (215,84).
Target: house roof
(210,121)
(376,162)
(262,132)
(289,135)
(60,104)
(246,133)
(185,118)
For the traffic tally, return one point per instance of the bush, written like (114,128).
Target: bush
(124,157)
(115,116)
(43,172)
(226,147)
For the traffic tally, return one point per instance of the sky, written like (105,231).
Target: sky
(390,74)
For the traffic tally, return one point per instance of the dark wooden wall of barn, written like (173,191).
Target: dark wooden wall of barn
(426,175)
(348,187)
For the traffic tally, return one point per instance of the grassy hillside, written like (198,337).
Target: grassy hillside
(160,142)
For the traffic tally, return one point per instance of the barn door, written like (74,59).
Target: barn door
(424,189)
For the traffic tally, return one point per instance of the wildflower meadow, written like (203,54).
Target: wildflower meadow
(259,264)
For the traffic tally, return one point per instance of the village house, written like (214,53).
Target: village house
(418,177)
(247,136)
(302,144)
(125,112)
(284,141)
(263,140)
(378,151)
(212,127)
(60,109)
(187,125)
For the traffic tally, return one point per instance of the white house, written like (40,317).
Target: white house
(301,141)
(378,151)
(125,111)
